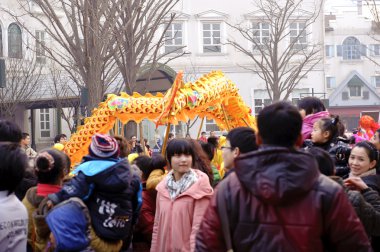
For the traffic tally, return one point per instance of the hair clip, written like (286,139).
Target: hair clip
(48,157)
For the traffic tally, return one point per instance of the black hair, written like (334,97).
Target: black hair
(372,152)
(144,163)
(208,148)
(201,161)
(279,124)
(24,135)
(179,146)
(58,137)
(147,164)
(311,105)
(243,138)
(170,135)
(378,132)
(10,132)
(124,146)
(13,165)
(48,172)
(213,140)
(159,162)
(203,132)
(325,163)
(332,125)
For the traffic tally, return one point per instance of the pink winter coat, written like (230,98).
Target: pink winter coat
(308,122)
(177,221)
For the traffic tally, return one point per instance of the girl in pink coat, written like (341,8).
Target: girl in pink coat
(182,198)
(311,109)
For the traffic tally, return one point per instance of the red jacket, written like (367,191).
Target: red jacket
(144,227)
(278,201)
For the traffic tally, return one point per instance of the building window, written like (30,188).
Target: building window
(40,50)
(260,104)
(298,35)
(1,42)
(376,81)
(260,34)
(375,50)
(211,125)
(351,48)
(330,52)
(14,41)
(330,82)
(295,101)
(174,38)
(355,91)
(212,38)
(45,122)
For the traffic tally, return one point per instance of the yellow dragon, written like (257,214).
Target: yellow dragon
(212,96)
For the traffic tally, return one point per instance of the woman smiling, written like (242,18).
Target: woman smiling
(363,160)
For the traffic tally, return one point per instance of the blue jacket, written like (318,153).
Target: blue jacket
(112,193)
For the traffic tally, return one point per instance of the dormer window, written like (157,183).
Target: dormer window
(355,86)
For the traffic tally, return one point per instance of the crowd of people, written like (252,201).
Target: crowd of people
(297,184)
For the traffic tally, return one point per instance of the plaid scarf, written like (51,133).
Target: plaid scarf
(175,188)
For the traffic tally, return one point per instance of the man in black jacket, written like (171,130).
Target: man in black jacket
(277,200)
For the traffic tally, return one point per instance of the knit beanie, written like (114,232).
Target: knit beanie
(103,146)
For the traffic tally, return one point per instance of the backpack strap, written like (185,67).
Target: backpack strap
(222,211)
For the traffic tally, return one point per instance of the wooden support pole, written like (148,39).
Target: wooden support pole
(200,128)
(245,122)
(163,150)
(225,118)
(115,127)
(122,130)
(142,142)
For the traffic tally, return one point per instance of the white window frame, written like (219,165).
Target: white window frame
(330,51)
(259,106)
(212,16)
(173,40)
(351,51)
(375,81)
(330,82)
(351,89)
(261,38)
(40,50)
(259,94)
(299,45)
(45,125)
(212,37)
(375,50)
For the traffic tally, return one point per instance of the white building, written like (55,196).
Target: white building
(34,115)
(202,27)
(352,53)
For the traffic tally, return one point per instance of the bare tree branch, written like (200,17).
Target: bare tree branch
(23,79)
(283,56)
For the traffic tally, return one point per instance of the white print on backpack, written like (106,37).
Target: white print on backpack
(107,207)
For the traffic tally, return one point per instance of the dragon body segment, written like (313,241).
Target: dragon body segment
(212,96)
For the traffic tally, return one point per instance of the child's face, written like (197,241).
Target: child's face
(317,135)
(181,163)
